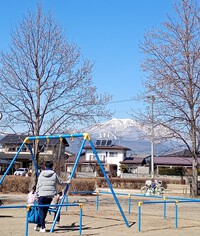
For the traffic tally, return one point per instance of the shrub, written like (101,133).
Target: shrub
(174,171)
(17,184)
(80,184)
(126,183)
(21,184)
(123,168)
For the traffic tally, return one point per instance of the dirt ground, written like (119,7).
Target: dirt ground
(107,221)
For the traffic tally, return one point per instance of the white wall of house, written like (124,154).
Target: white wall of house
(108,156)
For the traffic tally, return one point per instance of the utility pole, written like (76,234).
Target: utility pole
(152,134)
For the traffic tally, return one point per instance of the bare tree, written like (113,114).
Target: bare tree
(46,85)
(172,64)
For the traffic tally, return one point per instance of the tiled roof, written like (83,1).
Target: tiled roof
(26,156)
(72,159)
(169,161)
(2,161)
(132,160)
(182,153)
(13,139)
(181,161)
(111,147)
(18,140)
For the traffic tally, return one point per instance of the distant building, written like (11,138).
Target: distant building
(109,154)
(112,156)
(11,143)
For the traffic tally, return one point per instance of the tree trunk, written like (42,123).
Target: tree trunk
(194,191)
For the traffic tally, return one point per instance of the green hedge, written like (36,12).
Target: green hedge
(174,171)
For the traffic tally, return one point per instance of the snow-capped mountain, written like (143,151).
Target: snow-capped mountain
(118,129)
(131,134)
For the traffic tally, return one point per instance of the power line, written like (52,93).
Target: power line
(120,101)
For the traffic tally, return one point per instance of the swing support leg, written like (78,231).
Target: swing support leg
(109,184)
(67,187)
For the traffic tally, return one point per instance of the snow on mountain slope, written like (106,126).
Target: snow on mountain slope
(126,129)
(131,134)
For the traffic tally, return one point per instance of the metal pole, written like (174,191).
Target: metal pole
(97,201)
(129,203)
(109,184)
(152,136)
(81,216)
(67,187)
(139,215)
(176,214)
(26,230)
(165,207)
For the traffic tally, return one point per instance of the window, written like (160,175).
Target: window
(113,154)
(92,157)
(101,157)
(11,149)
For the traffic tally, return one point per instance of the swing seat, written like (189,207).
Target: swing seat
(50,210)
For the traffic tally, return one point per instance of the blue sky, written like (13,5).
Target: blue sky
(108,33)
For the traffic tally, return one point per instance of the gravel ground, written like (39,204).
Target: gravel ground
(107,220)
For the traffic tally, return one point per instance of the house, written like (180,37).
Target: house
(181,158)
(109,154)
(112,156)
(178,159)
(170,161)
(134,161)
(11,143)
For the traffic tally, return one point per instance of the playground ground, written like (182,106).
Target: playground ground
(107,221)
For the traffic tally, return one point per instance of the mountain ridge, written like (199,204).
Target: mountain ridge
(128,133)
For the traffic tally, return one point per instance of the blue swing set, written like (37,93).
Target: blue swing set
(86,137)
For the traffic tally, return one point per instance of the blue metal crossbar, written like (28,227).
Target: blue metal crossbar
(85,136)
(28,207)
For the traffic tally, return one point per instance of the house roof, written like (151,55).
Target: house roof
(178,161)
(164,160)
(2,161)
(17,139)
(111,147)
(72,159)
(182,153)
(9,156)
(133,160)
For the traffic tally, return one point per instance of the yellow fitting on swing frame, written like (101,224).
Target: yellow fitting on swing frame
(47,137)
(81,205)
(129,195)
(26,140)
(86,136)
(71,137)
(28,208)
(140,204)
(37,140)
(61,139)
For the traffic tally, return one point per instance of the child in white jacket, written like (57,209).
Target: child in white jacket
(31,196)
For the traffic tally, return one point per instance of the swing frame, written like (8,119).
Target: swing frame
(86,137)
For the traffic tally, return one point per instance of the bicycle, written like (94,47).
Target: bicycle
(149,190)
